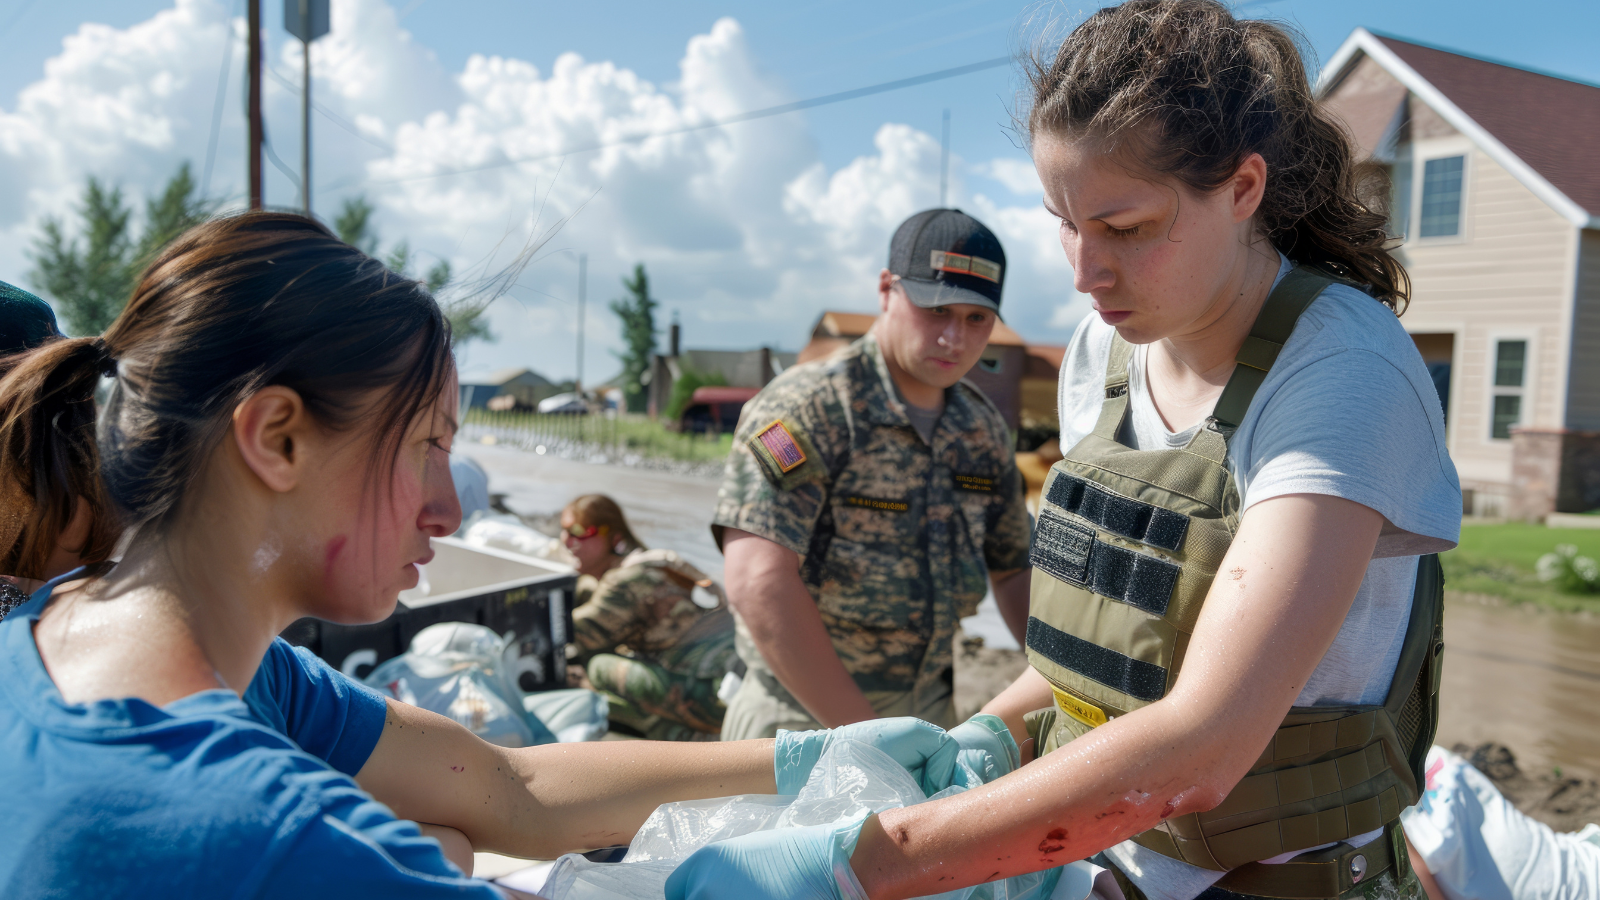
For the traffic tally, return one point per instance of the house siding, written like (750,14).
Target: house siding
(1583,397)
(1507,275)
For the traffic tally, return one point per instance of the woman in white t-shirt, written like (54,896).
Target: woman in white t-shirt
(1191,169)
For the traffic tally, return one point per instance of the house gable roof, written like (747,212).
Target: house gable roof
(1540,128)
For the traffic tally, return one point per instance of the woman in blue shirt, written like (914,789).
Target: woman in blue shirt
(276,441)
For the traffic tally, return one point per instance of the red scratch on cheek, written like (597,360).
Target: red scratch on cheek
(458,768)
(335,547)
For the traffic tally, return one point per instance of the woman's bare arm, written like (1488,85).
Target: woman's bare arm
(1277,605)
(540,802)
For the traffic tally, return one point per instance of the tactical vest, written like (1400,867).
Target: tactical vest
(1125,549)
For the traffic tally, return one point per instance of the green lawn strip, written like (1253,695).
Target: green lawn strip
(1499,560)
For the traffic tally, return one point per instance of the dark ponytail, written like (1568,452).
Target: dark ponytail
(232,306)
(1188,91)
(47,435)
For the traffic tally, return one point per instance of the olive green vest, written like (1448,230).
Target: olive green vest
(1126,546)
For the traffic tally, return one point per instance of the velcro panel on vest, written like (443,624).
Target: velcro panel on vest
(1071,552)
(1136,678)
(1119,515)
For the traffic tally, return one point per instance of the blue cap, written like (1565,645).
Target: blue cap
(25,320)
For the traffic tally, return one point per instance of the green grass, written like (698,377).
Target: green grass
(1499,560)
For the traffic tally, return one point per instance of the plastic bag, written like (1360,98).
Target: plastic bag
(849,777)
(574,714)
(463,671)
(504,532)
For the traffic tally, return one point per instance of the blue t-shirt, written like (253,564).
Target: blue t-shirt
(208,796)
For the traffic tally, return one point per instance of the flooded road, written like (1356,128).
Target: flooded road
(1527,679)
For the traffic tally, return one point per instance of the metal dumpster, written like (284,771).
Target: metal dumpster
(530,598)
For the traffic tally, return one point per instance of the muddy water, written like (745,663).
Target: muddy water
(1526,679)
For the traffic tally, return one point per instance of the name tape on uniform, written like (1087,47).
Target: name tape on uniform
(781,444)
(875,503)
(944,261)
(980,483)
(1082,710)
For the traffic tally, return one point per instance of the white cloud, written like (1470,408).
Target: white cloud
(743,230)
(1018,175)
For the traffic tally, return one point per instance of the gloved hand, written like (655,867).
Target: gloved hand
(984,751)
(811,863)
(911,742)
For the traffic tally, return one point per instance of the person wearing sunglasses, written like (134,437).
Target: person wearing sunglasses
(644,642)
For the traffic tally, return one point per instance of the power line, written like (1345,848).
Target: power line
(778,110)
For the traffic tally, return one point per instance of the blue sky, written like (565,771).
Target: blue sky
(727,278)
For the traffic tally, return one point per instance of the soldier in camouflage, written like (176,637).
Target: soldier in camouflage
(643,641)
(868,499)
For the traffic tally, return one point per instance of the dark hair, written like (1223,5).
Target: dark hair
(603,512)
(1189,92)
(232,306)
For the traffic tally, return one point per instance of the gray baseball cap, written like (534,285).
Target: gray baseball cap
(944,256)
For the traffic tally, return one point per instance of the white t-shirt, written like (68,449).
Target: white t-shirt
(1349,411)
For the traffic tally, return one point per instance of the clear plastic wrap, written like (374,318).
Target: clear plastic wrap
(849,777)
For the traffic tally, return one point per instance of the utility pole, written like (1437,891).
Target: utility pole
(253,105)
(944,160)
(306,20)
(583,287)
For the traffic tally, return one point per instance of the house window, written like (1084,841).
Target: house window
(1400,202)
(1441,197)
(1510,374)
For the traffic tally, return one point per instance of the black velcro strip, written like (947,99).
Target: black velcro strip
(1119,515)
(1062,548)
(1133,578)
(1136,678)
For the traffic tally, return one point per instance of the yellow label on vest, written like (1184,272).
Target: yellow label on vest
(1082,710)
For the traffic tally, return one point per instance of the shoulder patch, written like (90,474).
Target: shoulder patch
(786,453)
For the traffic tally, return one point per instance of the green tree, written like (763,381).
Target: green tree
(354,227)
(91,275)
(689,381)
(638,314)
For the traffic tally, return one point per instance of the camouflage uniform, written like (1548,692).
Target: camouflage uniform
(656,655)
(896,537)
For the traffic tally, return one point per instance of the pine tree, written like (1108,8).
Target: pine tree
(637,312)
(92,275)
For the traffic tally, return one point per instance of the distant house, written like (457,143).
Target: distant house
(523,388)
(1497,199)
(733,368)
(1010,373)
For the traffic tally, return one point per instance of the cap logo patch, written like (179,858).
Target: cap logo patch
(966,265)
(781,444)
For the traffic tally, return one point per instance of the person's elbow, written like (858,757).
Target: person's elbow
(756,572)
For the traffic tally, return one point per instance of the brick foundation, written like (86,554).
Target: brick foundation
(1553,470)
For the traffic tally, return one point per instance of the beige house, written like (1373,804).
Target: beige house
(1497,182)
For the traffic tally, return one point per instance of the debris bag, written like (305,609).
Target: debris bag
(850,777)
(574,714)
(499,531)
(463,671)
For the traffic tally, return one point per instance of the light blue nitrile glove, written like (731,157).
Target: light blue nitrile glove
(811,863)
(911,742)
(985,750)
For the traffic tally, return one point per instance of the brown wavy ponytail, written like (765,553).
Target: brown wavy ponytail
(1188,91)
(47,436)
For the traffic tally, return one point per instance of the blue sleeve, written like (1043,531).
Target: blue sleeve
(350,845)
(328,714)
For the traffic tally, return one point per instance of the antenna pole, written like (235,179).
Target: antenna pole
(944,161)
(583,287)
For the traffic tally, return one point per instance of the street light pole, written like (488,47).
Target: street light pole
(305,120)
(583,287)
(253,106)
(944,160)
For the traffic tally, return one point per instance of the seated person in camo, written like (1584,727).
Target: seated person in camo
(656,654)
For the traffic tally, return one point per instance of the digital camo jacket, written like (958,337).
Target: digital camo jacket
(644,607)
(897,538)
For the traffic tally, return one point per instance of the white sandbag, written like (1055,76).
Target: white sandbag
(499,531)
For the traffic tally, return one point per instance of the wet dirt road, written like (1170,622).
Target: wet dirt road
(1527,679)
